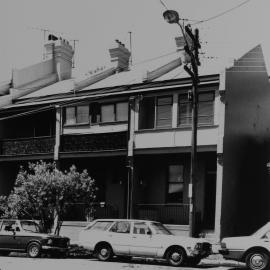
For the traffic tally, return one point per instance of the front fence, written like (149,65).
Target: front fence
(164,213)
(80,212)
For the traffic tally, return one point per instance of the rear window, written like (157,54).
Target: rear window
(100,226)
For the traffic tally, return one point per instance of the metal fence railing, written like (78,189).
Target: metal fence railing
(165,213)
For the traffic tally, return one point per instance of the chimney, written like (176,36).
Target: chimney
(120,55)
(61,52)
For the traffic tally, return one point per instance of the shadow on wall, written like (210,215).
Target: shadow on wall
(252,185)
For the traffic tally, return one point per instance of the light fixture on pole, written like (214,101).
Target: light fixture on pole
(191,47)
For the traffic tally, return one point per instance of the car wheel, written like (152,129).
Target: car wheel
(176,256)
(33,250)
(104,252)
(193,261)
(257,260)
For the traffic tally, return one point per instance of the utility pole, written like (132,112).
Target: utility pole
(191,47)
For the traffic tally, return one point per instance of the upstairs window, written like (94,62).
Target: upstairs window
(155,112)
(164,112)
(82,114)
(205,109)
(115,112)
(77,115)
(107,113)
(147,113)
(70,116)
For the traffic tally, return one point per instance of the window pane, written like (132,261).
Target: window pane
(164,112)
(95,112)
(185,111)
(100,226)
(176,173)
(122,111)
(107,113)
(121,227)
(70,116)
(147,113)
(206,108)
(140,228)
(175,193)
(83,114)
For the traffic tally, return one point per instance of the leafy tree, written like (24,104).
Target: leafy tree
(45,193)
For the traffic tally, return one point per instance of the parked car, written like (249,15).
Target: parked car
(141,238)
(254,250)
(26,236)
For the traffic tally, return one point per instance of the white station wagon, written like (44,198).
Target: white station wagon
(253,249)
(140,238)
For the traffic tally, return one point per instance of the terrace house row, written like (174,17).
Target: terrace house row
(114,121)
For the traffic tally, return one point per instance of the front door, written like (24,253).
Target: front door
(144,242)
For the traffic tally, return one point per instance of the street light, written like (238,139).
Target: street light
(172,16)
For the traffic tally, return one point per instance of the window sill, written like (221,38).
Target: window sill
(112,123)
(77,124)
(175,129)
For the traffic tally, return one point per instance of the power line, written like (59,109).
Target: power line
(222,13)
(162,3)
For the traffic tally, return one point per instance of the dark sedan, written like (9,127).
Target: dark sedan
(26,236)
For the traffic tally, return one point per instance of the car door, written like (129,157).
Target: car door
(144,241)
(119,236)
(7,235)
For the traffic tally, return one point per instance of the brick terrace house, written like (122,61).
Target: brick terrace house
(133,134)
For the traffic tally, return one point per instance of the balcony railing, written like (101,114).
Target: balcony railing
(94,142)
(27,146)
(164,213)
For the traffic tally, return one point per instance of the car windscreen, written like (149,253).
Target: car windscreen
(160,229)
(100,226)
(30,226)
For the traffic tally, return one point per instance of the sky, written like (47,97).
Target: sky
(97,23)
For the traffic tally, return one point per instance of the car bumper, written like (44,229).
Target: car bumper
(232,254)
(53,248)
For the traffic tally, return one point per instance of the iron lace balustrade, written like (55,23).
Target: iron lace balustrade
(27,146)
(177,213)
(94,142)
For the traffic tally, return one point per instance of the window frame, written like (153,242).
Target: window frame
(168,182)
(76,115)
(188,125)
(114,113)
(155,112)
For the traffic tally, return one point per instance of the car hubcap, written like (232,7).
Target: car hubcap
(104,252)
(34,251)
(257,261)
(175,257)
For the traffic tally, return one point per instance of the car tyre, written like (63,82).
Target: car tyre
(34,250)
(104,252)
(258,260)
(176,256)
